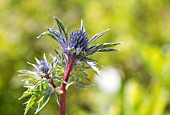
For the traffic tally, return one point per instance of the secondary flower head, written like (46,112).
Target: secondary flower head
(43,68)
(76,45)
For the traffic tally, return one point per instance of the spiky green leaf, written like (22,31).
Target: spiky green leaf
(59,79)
(101,47)
(58,56)
(25,94)
(25,72)
(107,50)
(93,67)
(107,45)
(55,34)
(56,97)
(81,74)
(43,101)
(97,36)
(61,27)
(30,103)
(37,61)
(42,34)
(81,84)
(82,26)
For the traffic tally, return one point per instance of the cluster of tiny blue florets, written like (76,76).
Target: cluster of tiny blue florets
(78,41)
(43,67)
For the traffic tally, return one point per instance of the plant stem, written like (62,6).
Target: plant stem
(62,101)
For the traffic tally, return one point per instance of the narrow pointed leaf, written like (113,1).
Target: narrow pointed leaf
(30,103)
(37,61)
(42,102)
(32,65)
(91,50)
(64,60)
(82,26)
(100,48)
(56,97)
(81,84)
(93,67)
(45,59)
(107,45)
(42,34)
(54,61)
(25,94)
(107,50)
(61,27)
(27,72)
(56,35)
(82,75)
(59,79)
(58,56)
(97,36)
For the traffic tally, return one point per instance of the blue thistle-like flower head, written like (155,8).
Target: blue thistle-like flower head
(77,45)
(43,68)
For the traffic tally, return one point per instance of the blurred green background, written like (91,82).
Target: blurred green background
(139,75)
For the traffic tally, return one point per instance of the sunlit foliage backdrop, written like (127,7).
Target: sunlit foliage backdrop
(140,71)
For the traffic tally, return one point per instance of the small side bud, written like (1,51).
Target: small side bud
(59,90)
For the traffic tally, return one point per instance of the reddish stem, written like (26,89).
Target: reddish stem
(52,83)
(50,80)
(63,87)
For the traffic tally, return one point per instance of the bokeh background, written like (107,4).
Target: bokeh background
(135,80)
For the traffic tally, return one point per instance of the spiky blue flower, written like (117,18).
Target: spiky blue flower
(43,67)
(76,45)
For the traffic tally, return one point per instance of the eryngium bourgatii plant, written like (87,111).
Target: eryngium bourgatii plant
(67,68)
